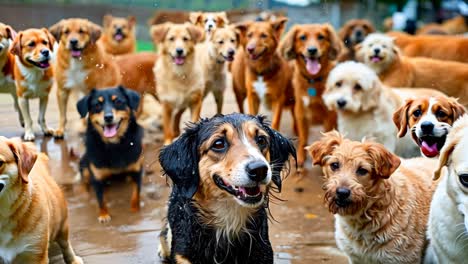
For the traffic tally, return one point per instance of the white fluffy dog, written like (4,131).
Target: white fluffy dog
(448,219)
(377,51)
(365,106)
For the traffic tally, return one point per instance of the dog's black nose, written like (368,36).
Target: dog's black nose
(73,42)
(2,186)
(179,51)
(210,26)
(312,50)
(45,52)
(343,193)
(257,170)
(341,103)
(108,117)
(231,52)
(118,30)
(359,33)
(376,50)
(427,127)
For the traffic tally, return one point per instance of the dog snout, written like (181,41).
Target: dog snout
(377,51)
(231,52)
(427,127)
(341,102)
(73,42)
(210,26)
(312,50)
(251,48)
(257,170)
(45,52)
(2,185)
(180,51)
(343,193)
(359,33)
(118,30)
(108,117)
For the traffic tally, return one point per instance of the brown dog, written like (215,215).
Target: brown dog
(259,72)
(381,208)
(451,48)
(380,53)
(313,48)
(33,75)
(34,210)
(352,33)
(179,77)
(118,36)
(429,118)
(137,73)
(81,63)
(453,26)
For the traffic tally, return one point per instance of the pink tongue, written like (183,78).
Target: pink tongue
(179,60)
(429,151)
(76,53)
(110,130)
(250,190)
(375,59)
(313,66)
(44,64)
(118,37)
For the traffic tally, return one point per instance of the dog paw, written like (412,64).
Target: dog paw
(104,218)
(29,136)
(135,208)
(48,132)
(77,260)
(58,134)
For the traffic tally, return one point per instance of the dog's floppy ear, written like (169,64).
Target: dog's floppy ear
(368,26)
(445,153)
(195,17)
(457,109)
(106,20)
(11,33)
(16,46)
(50,38)
(25,156)
(278,26)
(400,118)
(324,147)
(358,52)
(335,42)
(195,32)
(158,32)
(94,32)
(343,34)
(179,161)
(287,44)
(56,30)
(242,29)
(83,104)
(281,149)
(385,162)
(133,97)
(131,21)
(223,20)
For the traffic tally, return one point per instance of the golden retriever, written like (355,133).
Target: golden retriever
(118,36)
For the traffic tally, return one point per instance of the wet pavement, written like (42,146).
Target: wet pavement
(301,231)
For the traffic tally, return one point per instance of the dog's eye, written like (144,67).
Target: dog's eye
(463,179)
(221,42)
(441,114)
(81,31)
(185,39)
(233,40)
(263,35)
(2,163)
(357,87)
(417,113)
(206,20)
(171,39)
(66,32)
(338,84)
(303,37)
(361,171)
(250,35)
(262,142)
(45,42)
(384,46)
(31,44)
(118,103)
(219,145)
(334,166)
(320,37)
(97,107)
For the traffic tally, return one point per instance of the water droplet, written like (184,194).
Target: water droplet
(131,143)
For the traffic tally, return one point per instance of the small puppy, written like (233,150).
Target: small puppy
(448,218)
(113,142)
(212,55)
(221,190)
(118,36)
(178,75)
(380,53)
(34,76)
(208,21)
(429,118)
(81,63)
(381,207)
(34,210)
(352,33)
(7,60)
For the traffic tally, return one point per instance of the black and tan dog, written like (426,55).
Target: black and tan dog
(222,171)
(113,142)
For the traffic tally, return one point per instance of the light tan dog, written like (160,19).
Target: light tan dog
(208,21)
(448,218)
(118,36)
(7,83)
(81,63)
(34,210)
(381,207)
(178,76)
(455,25)
(33,73)
(213,56)
(380,53)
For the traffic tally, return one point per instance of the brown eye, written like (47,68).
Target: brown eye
(303,38)
(44,42)
(334,166)
(31,44)
(171,39)
(357,87)
(263,35)
(185,39)
(219,145)
(338,83)
(81,31)
(361,171)
(250,35)
(66,32)
(320,37)
(233,40)
(441,114)
(221,42)
(262,142)
(2,163)
(417,113)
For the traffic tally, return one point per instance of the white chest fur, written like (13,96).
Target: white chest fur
(33,81)
(76,75)
(260,87)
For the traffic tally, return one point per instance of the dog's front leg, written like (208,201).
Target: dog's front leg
(303,132)
(63,240)
(15,100)
(42,111)
(167,123)
(28,128)
(62,98)
(195,106)
(275,124)
(136,179)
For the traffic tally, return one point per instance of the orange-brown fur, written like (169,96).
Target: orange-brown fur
(311,109)
(347,35)
(110,43)
(7,84)
(456,25)
(33,205)
(137,71)
(384,218)
(276,72)
(98,67)
(200,19)
(452,48)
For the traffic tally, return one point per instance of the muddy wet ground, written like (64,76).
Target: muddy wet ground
(301,232)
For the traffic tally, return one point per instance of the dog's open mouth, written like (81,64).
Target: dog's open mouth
(228,58)
(179,60)
(375,58)
(119,36)
(254,56)
(110,130)
(76,53)
(44,64)
(431,145)
(250,195)
(313,65)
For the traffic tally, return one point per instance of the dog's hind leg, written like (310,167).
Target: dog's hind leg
(67,251)
(42,111)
